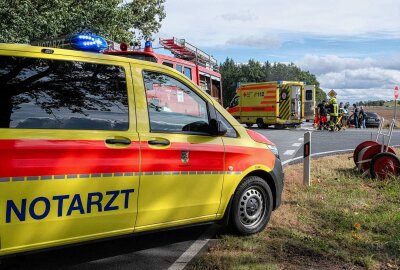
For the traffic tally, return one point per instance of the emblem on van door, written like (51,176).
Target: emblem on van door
(185,156)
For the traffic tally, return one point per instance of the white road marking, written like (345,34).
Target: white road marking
(316,154)
(296,144)
(301,139)
(289,152)
(325,153)
(193,250)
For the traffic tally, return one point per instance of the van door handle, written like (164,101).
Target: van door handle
(159,142)
(118,141)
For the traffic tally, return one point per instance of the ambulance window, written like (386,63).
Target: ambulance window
(188,72)
(168,64)
(234,102)
(309,95)
(179,68)
(173,106)
(55,94)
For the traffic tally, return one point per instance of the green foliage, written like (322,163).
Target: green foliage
(25,20)
(254,71)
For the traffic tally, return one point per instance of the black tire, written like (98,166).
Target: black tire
(249,125)
(254,193)
(260,123)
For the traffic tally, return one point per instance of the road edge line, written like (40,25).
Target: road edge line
(286,162)
(193,250)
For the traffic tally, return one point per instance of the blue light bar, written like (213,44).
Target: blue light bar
(88,43)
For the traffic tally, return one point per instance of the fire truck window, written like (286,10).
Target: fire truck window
(188,72)
(309,95)
(179,68)
(168,64)
(173,106)
(56,94)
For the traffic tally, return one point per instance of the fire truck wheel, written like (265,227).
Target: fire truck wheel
(260,123)
(384,165)
(249,125)
(251,206)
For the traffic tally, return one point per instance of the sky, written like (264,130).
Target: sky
(352,46)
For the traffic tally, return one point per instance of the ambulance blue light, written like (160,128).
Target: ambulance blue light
(88,43)
(279,82)
(148,44)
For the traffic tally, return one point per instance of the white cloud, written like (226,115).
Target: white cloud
(217,21)
(245,16)
(261,42)
(352,78)
(332,63)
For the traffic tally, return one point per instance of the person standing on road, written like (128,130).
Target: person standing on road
(356,115)
(322,115)
(363,115)
(334,113)
(345,116)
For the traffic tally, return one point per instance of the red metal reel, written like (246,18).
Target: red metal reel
(384,165)
(367,153)
(360,147)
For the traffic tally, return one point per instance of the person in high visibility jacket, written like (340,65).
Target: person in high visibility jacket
(334,113)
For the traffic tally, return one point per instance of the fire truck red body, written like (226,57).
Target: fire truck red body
(195,64)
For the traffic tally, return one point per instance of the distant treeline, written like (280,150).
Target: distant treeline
(254,71)
(376,103)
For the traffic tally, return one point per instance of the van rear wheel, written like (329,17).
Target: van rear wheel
(251,206)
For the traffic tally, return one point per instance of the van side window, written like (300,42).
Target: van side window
(57,94)
(173,106)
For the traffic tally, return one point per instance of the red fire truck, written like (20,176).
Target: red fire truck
(194,63)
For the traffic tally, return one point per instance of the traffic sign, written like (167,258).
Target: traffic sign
(332,93)
(396,92)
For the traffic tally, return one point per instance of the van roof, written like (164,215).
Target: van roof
(26,48)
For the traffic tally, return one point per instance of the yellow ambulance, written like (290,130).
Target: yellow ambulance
(278,103)
(95,146)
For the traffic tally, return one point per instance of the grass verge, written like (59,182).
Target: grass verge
(343,221)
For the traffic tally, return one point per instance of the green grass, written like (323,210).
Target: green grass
(342,221)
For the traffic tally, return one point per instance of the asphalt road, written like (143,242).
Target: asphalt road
(160,250)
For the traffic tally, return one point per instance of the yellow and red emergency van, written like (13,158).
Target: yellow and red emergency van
(278,103)
(86,153)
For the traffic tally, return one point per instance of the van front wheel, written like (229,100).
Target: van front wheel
(251,206)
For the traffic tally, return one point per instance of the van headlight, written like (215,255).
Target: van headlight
(273,149)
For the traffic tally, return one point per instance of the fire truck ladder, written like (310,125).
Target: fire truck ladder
(184,50)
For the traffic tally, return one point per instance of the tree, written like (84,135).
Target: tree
(28,20)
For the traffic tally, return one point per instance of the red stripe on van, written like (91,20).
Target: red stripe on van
(258,109)
(60,157)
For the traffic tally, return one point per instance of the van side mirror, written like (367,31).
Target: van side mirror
(217,128)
